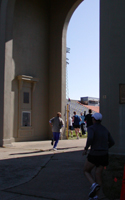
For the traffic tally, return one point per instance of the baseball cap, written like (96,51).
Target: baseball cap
(97,116)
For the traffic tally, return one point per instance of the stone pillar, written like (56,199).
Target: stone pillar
(112,72)
(6,72)
(3,6)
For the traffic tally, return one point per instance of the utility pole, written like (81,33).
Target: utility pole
(67,88)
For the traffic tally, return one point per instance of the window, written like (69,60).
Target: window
(26,118)
(26,97)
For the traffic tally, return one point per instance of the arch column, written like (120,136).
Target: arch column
(3,8)
(6,21)
(112,70)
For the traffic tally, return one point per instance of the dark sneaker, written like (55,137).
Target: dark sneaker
(52,142)
(94,188)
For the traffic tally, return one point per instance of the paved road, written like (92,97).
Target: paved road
(33,171)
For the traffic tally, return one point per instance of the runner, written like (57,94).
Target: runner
(99,140)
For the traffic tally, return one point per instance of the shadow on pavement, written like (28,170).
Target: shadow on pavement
(44,150)
(56,176)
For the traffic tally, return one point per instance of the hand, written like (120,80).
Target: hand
(84,152)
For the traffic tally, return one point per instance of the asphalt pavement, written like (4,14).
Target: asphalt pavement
(33,171)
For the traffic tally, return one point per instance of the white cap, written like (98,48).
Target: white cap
(97,116)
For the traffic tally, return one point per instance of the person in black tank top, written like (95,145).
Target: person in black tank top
(76,124)
(88,118)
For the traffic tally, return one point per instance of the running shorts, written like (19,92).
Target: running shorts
(98,160)
(71,128)
(76,126)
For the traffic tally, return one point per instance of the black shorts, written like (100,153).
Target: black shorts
(71,128)
(98,160)
(76,126)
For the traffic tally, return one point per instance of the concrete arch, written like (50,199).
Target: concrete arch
(45,59)
(63,10)
(13,60)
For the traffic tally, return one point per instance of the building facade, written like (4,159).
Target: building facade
(90,101)
(33,67)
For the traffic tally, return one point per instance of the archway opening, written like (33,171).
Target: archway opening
(82,73)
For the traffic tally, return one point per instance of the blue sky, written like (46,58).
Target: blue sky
(83,41)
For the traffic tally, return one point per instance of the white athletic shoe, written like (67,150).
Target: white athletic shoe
(94,188)
(95,198)
(55,149)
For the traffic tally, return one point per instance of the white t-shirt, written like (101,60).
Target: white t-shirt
(70,121)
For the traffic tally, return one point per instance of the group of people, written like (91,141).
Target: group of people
(76,122)
(80,122)
(99,140)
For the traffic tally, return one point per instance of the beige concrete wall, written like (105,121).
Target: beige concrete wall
(6,72)
(33,42)
(33,38)
(9,76)
(3,6)
(112,64)
(31,57)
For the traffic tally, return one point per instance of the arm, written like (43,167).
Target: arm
(62,123)
(89,140)
(84,152)
(85,118)
(50,123)
(110,141)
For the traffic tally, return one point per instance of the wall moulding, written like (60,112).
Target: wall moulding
(30,79)
(26,88)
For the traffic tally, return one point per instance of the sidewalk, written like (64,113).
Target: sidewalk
(33,171)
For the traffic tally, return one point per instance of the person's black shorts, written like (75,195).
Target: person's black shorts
(98,160)
(76,126)
(71,128)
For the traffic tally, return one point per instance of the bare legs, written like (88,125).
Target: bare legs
(71,133)
(87,171)
(77,132)
(98,172)
(98,175)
